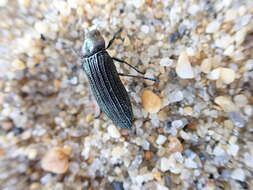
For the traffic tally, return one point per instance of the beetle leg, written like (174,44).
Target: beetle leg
(141,77)
(97,115)
(114,37)
(122,61)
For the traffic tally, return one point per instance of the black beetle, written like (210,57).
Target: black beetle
(104,80)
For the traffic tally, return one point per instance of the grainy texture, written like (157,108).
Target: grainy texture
(201,137)
(108,89)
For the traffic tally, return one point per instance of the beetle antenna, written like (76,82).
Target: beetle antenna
(114,37)
(140,77)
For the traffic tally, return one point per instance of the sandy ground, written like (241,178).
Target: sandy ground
(193,128)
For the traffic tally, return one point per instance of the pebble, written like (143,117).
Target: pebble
(238,174)
(113,131)
(177,124)
(41,27)
(7,125)
(145,29)
(148,155)
(206,65)
(150,101)
(3,3)
(248,159)
(214,74)
(56,160)
(218,151)
(176,96)
(117,185)
(18,64)
(190,163)
(237,119)
(127,41)
(174,145)
(224,41)
(192,126)
(161,139)
(117,152)
(170,164)
(188,110)
(225,103)
(210,186)
(184,69)
(2,152)
(227,75)
(248,110)
(231,14)
(229,51)
(161,187)
(166,62)
(165,164)
(213,27)
(233,149)
(241,100)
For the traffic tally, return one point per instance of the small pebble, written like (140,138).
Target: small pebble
(184,69)
(174,145)
(161,187)
(25,3)
(225,103)
(209,186)
(148,155)
(117,152)
(191,126)
(174,37)
(7,125)
(229,51)
(188,110)
(18,64)
(166,62)
(233,149)
(41,27)
(17,130)
(113,131)
(177,124)
(2,152)
(161,139)
(117,185)
(241,100)
(214,74)
(56,160)
(213,27)
(165,164)
(238,174)
(206,65)
(127,41)
(248,110)
(190,163)
(237,119)
(176,96)
(145,29)
(3,3)
(227,75)
(218,151)
(150,101)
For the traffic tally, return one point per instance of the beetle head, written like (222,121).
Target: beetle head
(93,43)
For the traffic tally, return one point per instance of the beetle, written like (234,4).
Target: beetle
(104,81)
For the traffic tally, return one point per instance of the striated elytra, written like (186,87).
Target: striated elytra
(104,80)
